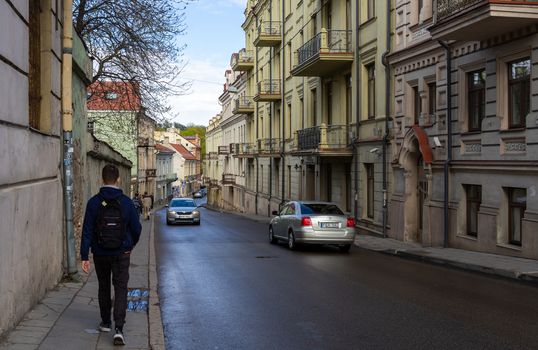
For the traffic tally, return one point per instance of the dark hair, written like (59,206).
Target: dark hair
(110,174)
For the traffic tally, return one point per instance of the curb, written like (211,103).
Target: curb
(156,332)
(527,278)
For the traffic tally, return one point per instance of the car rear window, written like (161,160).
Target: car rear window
(314,208)
(182,203)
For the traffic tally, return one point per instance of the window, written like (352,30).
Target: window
(432,98)
(329,182)
(474,198)
(349,99)
(417,105)
(289,182)
(371,90)
(476,86)
(517,204)
(318,208)
(371,9)
(369,190)
(34,73)
(288,122)
(519,73)
(314,116)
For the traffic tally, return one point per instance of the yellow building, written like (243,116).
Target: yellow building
(313,132)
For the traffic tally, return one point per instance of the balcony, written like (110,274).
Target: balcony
(330,51)
(228,179)
(224,150)
(171,177)
(243,105)
(268,91)
(245,150)
(269,34)
(468,20)
(269,147)
(151,172)
(212,156)
(324,140)
(242,61)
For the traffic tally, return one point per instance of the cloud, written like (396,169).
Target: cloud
(202,103)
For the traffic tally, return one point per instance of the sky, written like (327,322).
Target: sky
(213,33)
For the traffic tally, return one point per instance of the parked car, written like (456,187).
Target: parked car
(312,223)
(182,210)
(203,191)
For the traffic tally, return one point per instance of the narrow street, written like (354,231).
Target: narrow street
(223,286)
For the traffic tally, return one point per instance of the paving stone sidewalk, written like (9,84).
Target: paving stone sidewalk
(500,265)
(68,316)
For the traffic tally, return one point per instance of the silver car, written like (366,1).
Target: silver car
(313,223)
(182,210)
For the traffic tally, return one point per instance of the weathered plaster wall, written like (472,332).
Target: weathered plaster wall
(31,203)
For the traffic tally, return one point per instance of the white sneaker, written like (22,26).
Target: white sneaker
(118,337)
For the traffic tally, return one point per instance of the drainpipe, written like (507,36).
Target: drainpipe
(283,105)
(387,116)
(67,124)
(358,98)
(257,130)
(446,168)
(271,114)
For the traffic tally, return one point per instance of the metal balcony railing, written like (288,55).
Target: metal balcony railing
(213,156)
(270,28)
(224,149)
(245,149)
(269,146)
(446,8)
(308,138)
(323,137)
(242,57)
(327,41)
(269,86)
(244,102)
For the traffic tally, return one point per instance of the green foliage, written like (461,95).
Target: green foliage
(192,130)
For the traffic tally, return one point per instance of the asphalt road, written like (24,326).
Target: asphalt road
(223,286)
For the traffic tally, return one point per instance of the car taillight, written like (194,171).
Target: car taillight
(350,222)
(306,221)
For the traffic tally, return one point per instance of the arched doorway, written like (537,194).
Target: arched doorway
(415,158)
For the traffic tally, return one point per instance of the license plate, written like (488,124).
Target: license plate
(329,225)
(184,217)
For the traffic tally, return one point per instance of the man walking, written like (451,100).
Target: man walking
(147,204)
(111,229)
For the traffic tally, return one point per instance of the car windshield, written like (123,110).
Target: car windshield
(319,208)
(182,203)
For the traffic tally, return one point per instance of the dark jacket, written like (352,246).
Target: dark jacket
(131,222)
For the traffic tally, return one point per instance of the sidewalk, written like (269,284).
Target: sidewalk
(500,265)
(68,316)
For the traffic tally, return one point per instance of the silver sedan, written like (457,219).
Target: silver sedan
(182,210)
(312,223)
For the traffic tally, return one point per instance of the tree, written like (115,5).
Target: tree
(136,41)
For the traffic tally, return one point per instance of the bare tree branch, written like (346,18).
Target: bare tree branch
(136,41)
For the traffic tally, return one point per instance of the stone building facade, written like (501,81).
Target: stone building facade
(464,160)
(31,196)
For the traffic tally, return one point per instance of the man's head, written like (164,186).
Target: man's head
(110,175)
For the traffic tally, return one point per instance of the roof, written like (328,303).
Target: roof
(163,149)
(113,95)
(183,151)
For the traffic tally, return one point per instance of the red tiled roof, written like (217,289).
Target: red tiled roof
(183,151)
(163,149)
(115,96)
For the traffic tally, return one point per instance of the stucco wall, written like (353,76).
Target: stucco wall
(31,202)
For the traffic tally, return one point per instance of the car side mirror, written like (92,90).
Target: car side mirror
(275,212)
(166,205)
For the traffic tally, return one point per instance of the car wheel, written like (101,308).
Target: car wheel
(168,223)
(344,248)
(272,238)
(292,245)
